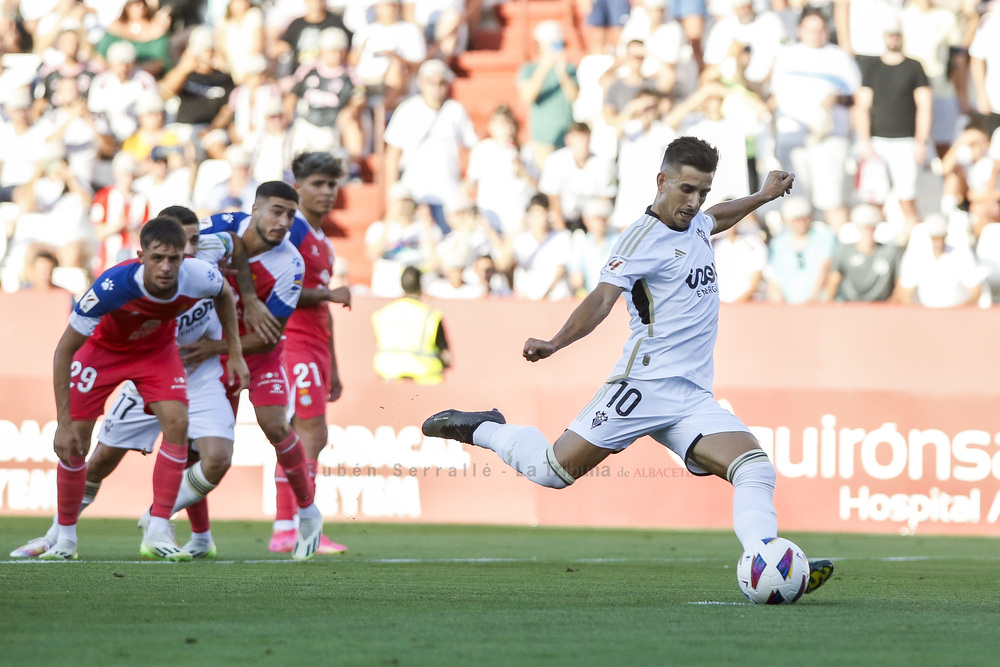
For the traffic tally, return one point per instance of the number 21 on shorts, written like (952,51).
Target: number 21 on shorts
(302,372)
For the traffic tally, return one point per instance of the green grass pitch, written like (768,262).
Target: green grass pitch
(464,595)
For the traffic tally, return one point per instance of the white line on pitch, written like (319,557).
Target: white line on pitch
(487,560)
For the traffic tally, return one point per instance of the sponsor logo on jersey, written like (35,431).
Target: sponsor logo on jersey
(615,266)
(599,419)
(108,285)
(195,316)
(701,233)
(701,277)
(88,301)
(702,280)
(297,282)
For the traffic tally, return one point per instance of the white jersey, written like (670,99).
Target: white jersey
(196,323)
(672,296)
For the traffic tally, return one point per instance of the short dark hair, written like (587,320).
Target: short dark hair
(278,189)
(308,164)
(163,230)
(578,126)
(539,199)
(181,214)
(693,152)
(410,280)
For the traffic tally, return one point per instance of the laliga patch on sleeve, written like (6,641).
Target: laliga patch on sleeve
(88,301)
(615,266)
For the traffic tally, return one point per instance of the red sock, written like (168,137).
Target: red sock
(198,516)
(71,482)
(284,496)
(292,457)
(167,474)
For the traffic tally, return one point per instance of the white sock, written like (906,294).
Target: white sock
(311,512)
(158,525)
(204,537)
(52,534)
(194,487)
(754,516)
(67,534)
(283,525)
(526,450)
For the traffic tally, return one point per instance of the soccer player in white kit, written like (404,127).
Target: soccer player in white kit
(663,264)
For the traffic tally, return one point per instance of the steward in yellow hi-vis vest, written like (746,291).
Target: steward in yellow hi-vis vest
(409,337)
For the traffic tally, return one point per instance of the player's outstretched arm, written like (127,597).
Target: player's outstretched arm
(584,319)
(66,442)
(255,313)
(728,213)
(236,365)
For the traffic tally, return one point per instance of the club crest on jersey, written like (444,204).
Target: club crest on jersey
(108,285)
(615,266)
(701,233)
(599,419)
(88,301)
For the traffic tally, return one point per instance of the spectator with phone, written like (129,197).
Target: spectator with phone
(548,86)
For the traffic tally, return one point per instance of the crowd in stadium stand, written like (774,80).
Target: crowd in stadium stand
(886,111)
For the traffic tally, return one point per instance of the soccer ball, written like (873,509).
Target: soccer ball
(774,571)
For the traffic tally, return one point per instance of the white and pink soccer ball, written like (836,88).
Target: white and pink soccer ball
(773,571)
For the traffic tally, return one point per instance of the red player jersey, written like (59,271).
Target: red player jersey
(120,315)
(311,322)
(277,273)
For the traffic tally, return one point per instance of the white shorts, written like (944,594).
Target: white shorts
(210,414)
(673,411)
(822,167)
(899,155)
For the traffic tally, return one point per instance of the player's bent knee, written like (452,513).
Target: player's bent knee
(557,477)
(215,468)
(275,431)
(174,429)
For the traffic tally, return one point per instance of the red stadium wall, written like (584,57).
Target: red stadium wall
(878,419)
